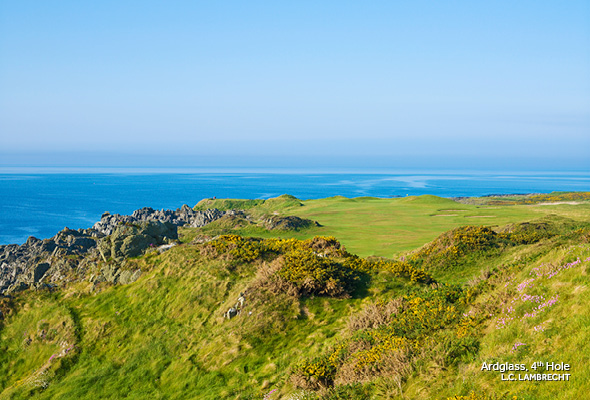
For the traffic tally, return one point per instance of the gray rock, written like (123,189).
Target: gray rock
(17,287)
(183,216)
(232,312)
(130,240)
(39,271)
(47,259)
(110,273)
(134,245)
(165,247)
(127,277)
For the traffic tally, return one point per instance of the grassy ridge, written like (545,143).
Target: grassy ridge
(256,206)
(165,337)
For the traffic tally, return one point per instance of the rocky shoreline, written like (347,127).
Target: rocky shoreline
(97,254)
(73,255)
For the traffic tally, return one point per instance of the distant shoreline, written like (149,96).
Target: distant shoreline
(494,199)
(39,202)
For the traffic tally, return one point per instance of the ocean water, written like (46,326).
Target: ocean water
(35,202)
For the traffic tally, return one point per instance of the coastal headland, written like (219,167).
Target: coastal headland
(355,298)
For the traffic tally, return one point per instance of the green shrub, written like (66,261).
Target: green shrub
(313,274)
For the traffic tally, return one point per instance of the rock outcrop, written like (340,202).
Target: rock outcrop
(96,254)
(183,216)
(74,254)
(46,260)
(131,239)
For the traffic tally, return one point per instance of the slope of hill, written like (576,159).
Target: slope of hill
(312,320)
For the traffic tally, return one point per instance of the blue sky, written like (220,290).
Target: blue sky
(382,83)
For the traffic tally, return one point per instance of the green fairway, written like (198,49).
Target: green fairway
(387,227)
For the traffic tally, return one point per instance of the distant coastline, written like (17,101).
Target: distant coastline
(40,202)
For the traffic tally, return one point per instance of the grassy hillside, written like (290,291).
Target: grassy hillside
(318,321)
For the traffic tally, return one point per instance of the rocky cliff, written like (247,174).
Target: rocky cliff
(39,262)
(75,254)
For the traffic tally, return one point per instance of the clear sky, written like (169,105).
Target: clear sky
(381,83)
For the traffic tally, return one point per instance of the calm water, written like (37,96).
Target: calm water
(40,204)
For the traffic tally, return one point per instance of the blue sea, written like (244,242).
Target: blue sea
(39,201)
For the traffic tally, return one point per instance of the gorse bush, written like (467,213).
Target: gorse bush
(448,248)
(397,268)
(386,335)
(314,266)
(236,247)
(454,247)
(320,245)
(318,372)
(527,233)
(317,266)
(313,274)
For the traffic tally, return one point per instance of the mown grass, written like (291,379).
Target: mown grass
(389,227)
